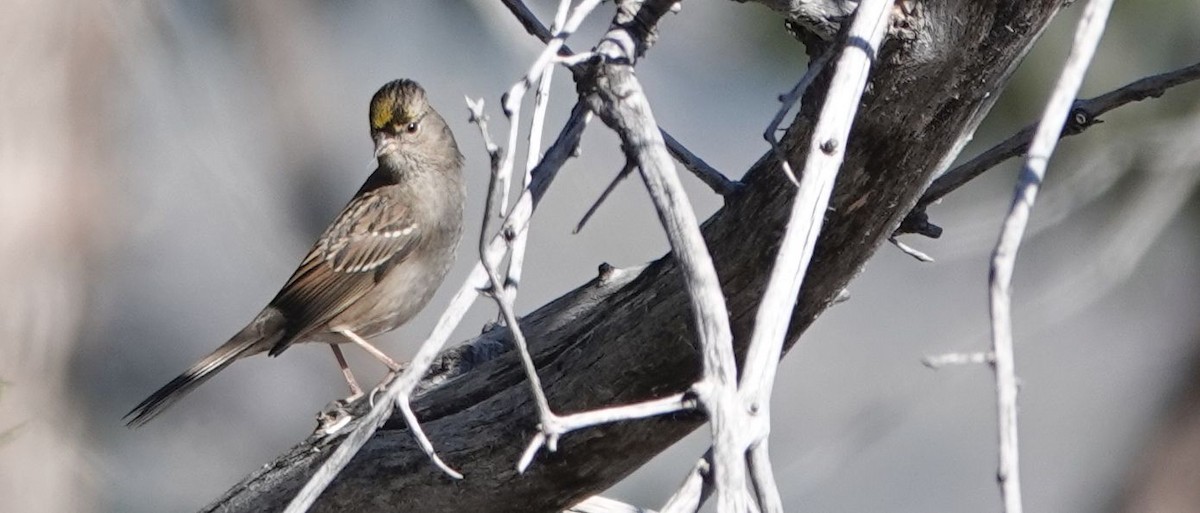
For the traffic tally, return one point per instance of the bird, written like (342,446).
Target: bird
(377,264)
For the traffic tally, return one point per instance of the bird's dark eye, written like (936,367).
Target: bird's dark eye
(412,127)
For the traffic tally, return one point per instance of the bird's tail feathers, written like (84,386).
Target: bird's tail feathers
(252,339)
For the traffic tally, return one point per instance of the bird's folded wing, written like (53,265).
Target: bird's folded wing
(374,232)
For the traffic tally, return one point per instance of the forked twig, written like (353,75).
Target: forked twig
(717,181)
(551,425)
(511,102)
(559,425)
(516,259)
(497,289)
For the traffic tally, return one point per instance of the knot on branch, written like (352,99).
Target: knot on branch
(1079,120)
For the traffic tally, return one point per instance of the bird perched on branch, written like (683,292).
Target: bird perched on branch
(377,264)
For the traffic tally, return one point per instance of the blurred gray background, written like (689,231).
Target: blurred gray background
(166,164)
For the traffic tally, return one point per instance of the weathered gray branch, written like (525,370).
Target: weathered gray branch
(1084,114)
(626,336)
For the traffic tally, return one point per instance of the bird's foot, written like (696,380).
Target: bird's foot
(331,420)
(336,415)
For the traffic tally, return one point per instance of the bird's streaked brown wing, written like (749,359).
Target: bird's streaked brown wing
(370,235)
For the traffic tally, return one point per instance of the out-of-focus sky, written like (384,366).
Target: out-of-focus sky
(223,136)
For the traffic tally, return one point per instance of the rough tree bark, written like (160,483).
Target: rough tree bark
(625,336)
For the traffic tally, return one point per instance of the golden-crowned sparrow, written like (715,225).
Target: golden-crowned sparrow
(376,265)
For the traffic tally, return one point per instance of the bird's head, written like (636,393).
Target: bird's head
(405,127)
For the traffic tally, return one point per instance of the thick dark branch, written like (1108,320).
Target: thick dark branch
(627,336)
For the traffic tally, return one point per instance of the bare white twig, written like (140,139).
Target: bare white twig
(495,153)
(556,426)
(598,504)
(541,101)
(399,391)
(512,99)
(910,251)
(696,488)
(942,360)
(1087,37)
(551,426)
(825,155)
(764,478)
(498,290)
(574,59)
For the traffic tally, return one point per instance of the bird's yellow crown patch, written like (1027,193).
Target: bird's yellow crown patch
(397,102)
(383,111)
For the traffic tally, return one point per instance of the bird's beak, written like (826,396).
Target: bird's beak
(384,145)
